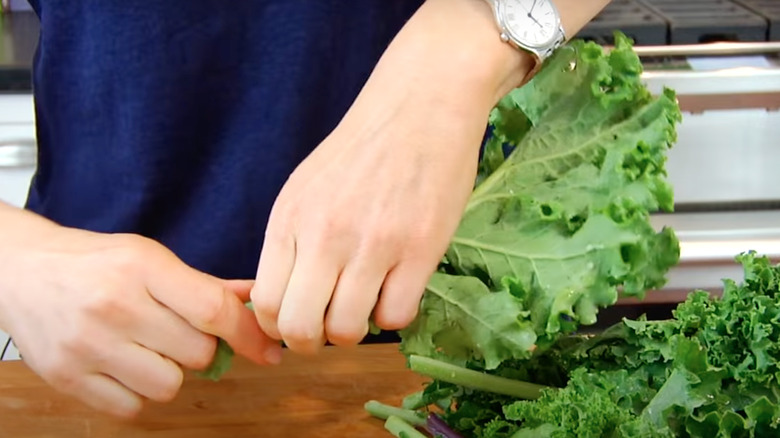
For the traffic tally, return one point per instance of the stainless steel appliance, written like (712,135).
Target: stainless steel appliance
(722,57)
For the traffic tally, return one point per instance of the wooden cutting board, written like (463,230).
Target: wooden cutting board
(319,396)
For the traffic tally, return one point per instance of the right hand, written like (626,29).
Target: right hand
(112,319)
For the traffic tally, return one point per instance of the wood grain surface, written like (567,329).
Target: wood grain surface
(316,396)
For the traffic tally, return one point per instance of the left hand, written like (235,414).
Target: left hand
(374,207)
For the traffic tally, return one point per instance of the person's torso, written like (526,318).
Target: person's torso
(181,121)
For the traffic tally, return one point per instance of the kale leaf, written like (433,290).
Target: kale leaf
(558,221)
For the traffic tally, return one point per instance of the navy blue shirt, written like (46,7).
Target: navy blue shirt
(181,120)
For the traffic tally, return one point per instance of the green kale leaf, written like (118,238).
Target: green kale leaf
(708,372)
(558,225)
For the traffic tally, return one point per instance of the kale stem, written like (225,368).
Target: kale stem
(401,429)
(474,379)
(383,411)
(414,401)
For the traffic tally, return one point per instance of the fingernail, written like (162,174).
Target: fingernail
(273,355)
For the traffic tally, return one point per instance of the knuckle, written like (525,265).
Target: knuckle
(74,343)
(212,310)
(427,226)
(106,303)
(342,334)
(280,220)
(326,232)
(331,226)
(303,338)
(168,388)
(393,318)
(276,231)
(127,411)
(265,305)
(199,362)
(202,355)
(60,375)
(386,239)
(131,252)
(426,239)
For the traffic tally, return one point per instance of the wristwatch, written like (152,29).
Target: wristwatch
(530,25)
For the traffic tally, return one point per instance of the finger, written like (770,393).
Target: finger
(308,294)
(161,330)
(273,273)
(239,288)
(353,301)
(205,304)
(105,394)
(143,371)
(401,293)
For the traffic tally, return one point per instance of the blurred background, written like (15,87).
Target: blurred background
(721,56)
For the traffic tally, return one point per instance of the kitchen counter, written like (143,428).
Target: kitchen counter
(320,396)
(18,42)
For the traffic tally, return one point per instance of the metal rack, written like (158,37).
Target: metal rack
(634,19)
(770,9)
(661,22)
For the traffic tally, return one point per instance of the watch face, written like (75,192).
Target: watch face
(532,22)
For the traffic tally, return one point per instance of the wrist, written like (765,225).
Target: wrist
(21,235)
(19,232)
(459,40)
(495,64)
(452,47)
(473,45)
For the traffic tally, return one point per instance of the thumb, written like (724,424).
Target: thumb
(214,306)
(239,288)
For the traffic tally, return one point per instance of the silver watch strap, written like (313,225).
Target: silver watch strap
(557,43)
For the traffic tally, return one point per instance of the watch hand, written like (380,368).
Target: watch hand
(535,21)
(532,8)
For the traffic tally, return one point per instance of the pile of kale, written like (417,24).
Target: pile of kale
(711,371)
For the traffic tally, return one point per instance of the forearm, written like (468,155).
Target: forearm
(455,43)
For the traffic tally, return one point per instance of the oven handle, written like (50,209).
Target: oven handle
(719,252)
(709,49)
(18,153)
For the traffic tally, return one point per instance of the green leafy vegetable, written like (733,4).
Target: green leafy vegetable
(713,371)
(557,227)
(591,406)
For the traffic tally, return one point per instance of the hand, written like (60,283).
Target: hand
(111,319)
(374,206)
